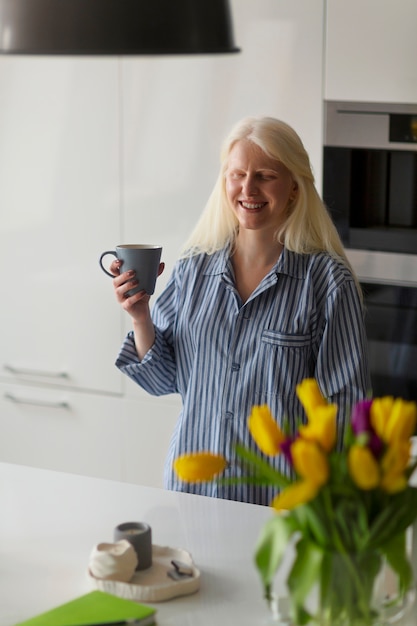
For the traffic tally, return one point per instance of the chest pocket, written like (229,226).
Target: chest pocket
(283,340)
(286,359)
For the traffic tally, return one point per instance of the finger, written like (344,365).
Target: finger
(122,292)
(115,267)
(123,278)
(130,301)
(161,268)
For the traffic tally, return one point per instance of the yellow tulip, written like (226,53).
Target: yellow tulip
(396,457)
(310,396)
(295,495)
(393,419)
(393,466)
(402,421)
(379,413)
(363,467)
(310,461)
(393,483)
(199,467)
(322,427)
(265,431)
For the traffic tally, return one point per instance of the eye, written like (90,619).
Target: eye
(266,176)
(235,175)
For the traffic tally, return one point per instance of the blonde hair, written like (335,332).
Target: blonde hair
(308,227)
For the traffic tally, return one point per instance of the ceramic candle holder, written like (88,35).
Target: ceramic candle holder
(139,535)
(113,561)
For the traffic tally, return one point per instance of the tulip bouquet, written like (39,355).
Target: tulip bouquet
(346,511)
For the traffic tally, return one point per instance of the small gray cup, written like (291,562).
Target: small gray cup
(139,535)
(142,258)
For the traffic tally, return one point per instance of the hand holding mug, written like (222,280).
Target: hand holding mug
(136,304)
(141,259)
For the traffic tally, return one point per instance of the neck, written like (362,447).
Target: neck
(256,248)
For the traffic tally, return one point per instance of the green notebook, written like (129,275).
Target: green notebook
(96,607)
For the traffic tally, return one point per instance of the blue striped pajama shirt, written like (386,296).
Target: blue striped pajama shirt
(305,319)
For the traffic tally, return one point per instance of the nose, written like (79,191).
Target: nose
(249,186)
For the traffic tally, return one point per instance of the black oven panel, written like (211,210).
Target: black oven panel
(391,324)
(370,174)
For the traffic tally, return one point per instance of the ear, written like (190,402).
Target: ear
(294,191)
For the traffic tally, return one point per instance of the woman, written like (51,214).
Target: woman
(262,297)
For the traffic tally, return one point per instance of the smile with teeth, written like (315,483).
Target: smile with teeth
(252,205)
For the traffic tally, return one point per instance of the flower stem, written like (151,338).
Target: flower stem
(360,590)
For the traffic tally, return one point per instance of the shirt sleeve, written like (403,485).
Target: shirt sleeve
(342,370)
(156,373)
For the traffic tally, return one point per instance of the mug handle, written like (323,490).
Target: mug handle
(101,262)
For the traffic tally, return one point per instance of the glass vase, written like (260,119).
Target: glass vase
(359,590)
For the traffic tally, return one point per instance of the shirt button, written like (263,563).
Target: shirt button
(229,415)
(235,367)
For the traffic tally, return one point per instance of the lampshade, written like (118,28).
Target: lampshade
(118,27)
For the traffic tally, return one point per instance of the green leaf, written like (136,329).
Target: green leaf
(409,514)
(396,554)
(351,520)
(271,546)
(395,518)
(304,574)
(311,522)
(343,519)
(262,467)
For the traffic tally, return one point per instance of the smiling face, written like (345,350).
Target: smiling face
(258,187)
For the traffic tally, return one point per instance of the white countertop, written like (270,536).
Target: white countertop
(50,521)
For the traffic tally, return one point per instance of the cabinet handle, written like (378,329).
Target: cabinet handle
(21,371)
(43,403)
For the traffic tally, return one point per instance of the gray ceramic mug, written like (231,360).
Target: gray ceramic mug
(139,535)
(142,258)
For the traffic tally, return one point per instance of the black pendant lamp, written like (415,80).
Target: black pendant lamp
(115,27)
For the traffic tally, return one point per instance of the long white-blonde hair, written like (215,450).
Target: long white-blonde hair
(308,227)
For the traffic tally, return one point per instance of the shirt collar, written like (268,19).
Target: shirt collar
(292,264)
(218,262)
(289,263)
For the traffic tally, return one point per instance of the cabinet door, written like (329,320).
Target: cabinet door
(61,430)
(60,207)
(149,423)
(371,50)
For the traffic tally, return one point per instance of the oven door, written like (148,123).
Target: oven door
(389,284)
(391,323)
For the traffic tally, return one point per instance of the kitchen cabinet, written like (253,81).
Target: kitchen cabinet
(371,50)
(149,423)
(60,207)
(84,433)
(61,430)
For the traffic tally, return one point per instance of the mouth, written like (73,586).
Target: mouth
(252,206)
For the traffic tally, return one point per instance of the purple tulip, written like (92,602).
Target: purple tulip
(375,444)
(361,417)
(285,448)
(361,425)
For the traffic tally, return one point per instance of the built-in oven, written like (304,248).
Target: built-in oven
(370,188)
(389,285)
